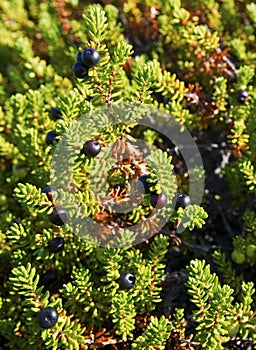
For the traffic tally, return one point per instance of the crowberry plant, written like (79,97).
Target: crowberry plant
(90,57)
(242,96)
(145,99)
(182,200)
(159,200)
(55,113)
(91,148)
(127,280)
(56,244)
(51,136)
(58,216)
(143,185)
(80,70)
(50,192)
(47,317)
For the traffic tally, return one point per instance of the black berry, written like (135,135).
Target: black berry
(91,148)
(158,200)
(90,57)
(89,98)
(51,136)
(242,96)
(143,186)
(59,216)
(56,244)
(127,280)
(182,200)
(78,56)
(47,317)
(55,113)
(50,192)
(49,277)
(80,70)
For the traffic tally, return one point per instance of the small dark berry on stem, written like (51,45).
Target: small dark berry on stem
(242,96)
(78,56)
(89,98)
(158,200)
(50,192)
(47,317)
(51,136)
(80,70)
(56,244)
(90,57)
(182,200)
(56,113)
(143,186)
(59,216)
(127,280)
(49,277)
(91,148)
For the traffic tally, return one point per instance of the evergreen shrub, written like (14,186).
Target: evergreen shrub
(114,235)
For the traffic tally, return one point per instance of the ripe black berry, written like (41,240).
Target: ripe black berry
(47,317)
(90,57)
(89,98)
(78,56)
(91,148)
(59,216)
(143,186)
(49,277)
(55,113)
(158,200)
(51,136)
(56,244)
(242,96)
(80,70)
(50,192)
(127,280)
(182,200)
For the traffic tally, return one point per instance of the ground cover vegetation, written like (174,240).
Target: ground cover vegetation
(190,285)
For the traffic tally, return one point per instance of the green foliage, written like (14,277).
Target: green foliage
(249,173)
(193,216)
(244,248)
(227,272)
(155,335)
(161,166)
(33,198)
(165,56)
(123,314)
(215,307)
(143,82)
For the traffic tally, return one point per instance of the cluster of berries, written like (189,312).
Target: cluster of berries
(86,58)
(48,316)
(160,200)
(239,255)
(90,148)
